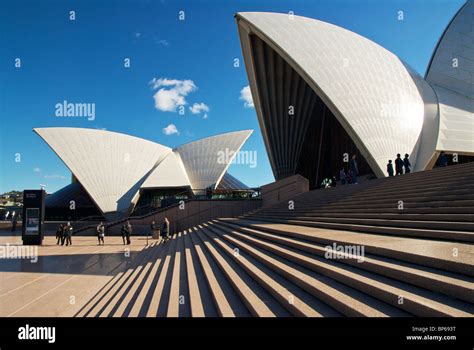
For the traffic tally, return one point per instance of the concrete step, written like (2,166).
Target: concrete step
(195,298)
(341,192)
(103,298)
(448,256)
(226,301)
(160,290)
(448,235)
(411,299)
(142,300)
(116,301)
(390,204)
(399,221)
(450,284)
(425,210)
(398,215)
(295,300)
(131,295)
(379,199)
(178,303)
(117,273)
(342,298)
(199,286)
(258,302)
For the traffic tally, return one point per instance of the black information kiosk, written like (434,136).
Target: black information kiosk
(33,217)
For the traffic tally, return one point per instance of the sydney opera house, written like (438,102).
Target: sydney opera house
(113,173)
(323,93)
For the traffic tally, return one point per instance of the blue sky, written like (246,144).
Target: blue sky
(83,61)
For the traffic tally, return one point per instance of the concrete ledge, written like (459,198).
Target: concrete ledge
(284,189)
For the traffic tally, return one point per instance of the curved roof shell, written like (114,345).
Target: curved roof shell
(372,93)
(112,167)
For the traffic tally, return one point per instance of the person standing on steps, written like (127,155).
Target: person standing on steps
(101,232)
(342,176)
(68,234)
(165,227)
(14,222)
(128,228)
(123,232)
(406,164)
(390,168)
(354,169)
(60,234)
(399,165)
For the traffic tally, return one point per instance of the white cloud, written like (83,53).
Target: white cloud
(162,42)
(171,93)
(37,170)
(246,96)
(198,108)
(55,176)
(170,130)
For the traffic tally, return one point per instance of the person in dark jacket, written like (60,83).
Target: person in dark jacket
(165,228)
(406,164)
(390,168)
(342,176)
(129,229)
(123,232)
(101,233)
(14,222)
(68,234)
(399,165)
(354,169)
(60,234)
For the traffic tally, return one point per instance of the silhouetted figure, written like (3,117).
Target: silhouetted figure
(60,234)
(123,232)
(354,169)
(128,232)
(14,223)
(68,234)
(406,164)
(165,228)
(390,168)
(443,159)
(342,176)
(153,228)
(101,233)
(333,181)
(399,165)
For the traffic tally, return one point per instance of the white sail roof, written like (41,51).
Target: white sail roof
(111,166)
(451,73)
(207,160)
(372,93)
(169,173)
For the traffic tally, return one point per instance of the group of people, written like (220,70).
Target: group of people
(163,231)
(400,165)
(64,234)
(349,177)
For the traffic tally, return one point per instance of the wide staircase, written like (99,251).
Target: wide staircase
(395,247)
